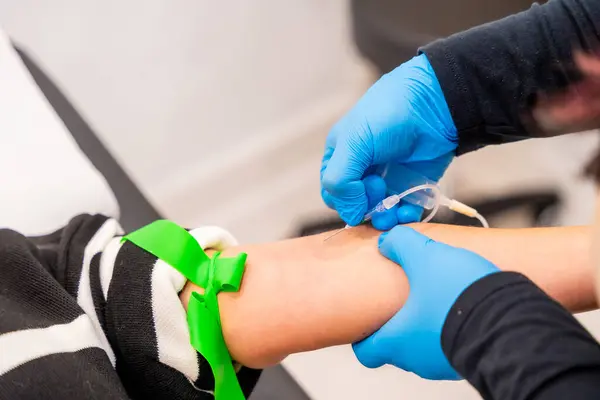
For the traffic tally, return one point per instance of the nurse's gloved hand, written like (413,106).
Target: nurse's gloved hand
(437,274)
(403,118)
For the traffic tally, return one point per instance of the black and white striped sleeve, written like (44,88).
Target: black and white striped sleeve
(83,315)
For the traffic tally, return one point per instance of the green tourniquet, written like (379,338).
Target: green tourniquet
(174,245)
(207,336)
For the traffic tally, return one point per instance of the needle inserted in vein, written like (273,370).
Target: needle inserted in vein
(335,233)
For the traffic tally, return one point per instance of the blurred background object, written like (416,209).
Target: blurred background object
(213,109)
(388,32)
(216,113)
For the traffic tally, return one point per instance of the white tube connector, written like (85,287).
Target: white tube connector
(431,199)
(459,207)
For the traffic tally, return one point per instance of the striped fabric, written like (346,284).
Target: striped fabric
(84,316)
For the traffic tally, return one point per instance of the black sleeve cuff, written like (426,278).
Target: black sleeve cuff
(511,341)
(471,298)
(463,109)
(474,129)
(491,74)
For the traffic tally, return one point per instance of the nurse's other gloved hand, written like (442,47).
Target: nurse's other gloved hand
(403,118)
(437,274)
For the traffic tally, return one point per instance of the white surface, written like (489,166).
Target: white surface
(45,179)
(334,373)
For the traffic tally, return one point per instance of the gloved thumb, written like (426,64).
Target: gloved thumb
(406,247)
(369,353)
(387,345)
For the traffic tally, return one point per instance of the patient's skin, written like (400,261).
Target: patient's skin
(304,294)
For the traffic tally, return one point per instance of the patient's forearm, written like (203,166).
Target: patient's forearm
(556,259)
(304,294)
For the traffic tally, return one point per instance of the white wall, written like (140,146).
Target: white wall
(178,90)
(217,110)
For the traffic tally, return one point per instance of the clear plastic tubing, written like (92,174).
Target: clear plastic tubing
(394,199)
(427,195)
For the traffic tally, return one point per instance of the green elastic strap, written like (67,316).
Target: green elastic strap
(174,245)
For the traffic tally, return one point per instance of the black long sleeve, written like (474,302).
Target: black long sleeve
(511,341)
(490,74)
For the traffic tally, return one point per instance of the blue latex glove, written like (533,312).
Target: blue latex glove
(403,118)
(437,274)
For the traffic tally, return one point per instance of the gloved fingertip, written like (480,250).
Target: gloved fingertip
(408,213)
(382,238)
(406,234)
(402,243)
(367,354)
(375,189)
(387,247)
(384,221)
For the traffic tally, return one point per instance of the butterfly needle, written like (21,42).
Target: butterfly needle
(334,234)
